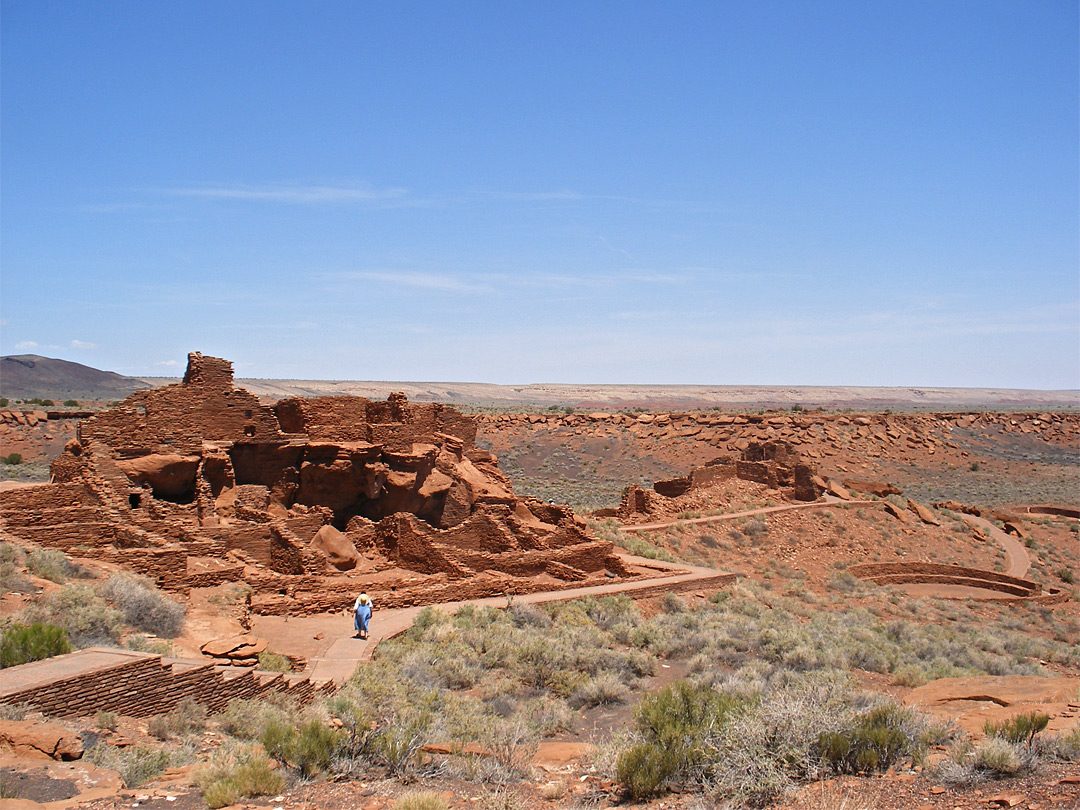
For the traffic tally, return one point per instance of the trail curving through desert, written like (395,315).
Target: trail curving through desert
(829,500)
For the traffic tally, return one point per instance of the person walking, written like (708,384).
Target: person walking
(362,615)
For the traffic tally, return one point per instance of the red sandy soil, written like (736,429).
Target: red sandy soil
(991,460)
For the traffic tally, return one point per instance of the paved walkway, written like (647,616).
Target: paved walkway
(338,660)
(829,500)
(1019,561)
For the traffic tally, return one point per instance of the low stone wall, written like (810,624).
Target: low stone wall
(138,684)
(310,598)
(1012,588)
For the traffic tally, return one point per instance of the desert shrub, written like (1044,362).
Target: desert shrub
(308,748)
(755,528)
(186,717)
(246,719)
(673,726)
(843,582)
(21,644)
(1065,574)
(144,606)
(512,742)
(548,715)
(1059,747)
(12,458)
(51,564)
(273,662)
(135,764)
(604,689)
(421,800)
(14,711)
(12,561)
(106,721)
(71,403)
(873,742)
(526,615)
(771,745)
(1020,728)
(79,610)
(642,548)
(673,603)
(910,675)
(149,644)
(235,775)
(997,757)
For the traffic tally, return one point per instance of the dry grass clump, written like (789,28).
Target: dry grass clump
(53,565)
(421,800)
(187,717)
(236,773)
(144,606)
(77,608)
(135,764)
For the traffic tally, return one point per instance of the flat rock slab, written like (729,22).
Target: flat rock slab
(239,646)
(47,740)
(1004,690)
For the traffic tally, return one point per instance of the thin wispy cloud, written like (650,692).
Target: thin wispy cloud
(292,194)
(26,345)
(81,345)
(445,282)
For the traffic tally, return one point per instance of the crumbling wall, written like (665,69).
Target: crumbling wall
(179,418)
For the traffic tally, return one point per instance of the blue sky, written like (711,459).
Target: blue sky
(840,193)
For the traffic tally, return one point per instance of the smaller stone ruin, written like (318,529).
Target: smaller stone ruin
(774,464)
(308,502)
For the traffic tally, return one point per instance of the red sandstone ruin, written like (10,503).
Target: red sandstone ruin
(775,464)
(308,501)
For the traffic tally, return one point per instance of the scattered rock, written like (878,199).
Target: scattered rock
(46,740)
(925,515)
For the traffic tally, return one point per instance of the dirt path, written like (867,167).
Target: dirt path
(333,654)
(1019,561)
(829,500)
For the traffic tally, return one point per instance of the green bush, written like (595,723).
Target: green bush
(673,725)
(873,743)
(247,719)
(1065,574)
(237,775)
(1021,728)
(12,458)
(144,606)
(71,403)
(21,644)
(308,748)
(273,662)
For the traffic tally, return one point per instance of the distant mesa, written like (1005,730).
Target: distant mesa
(26,376)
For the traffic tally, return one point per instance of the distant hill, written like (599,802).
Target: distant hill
(26,376)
